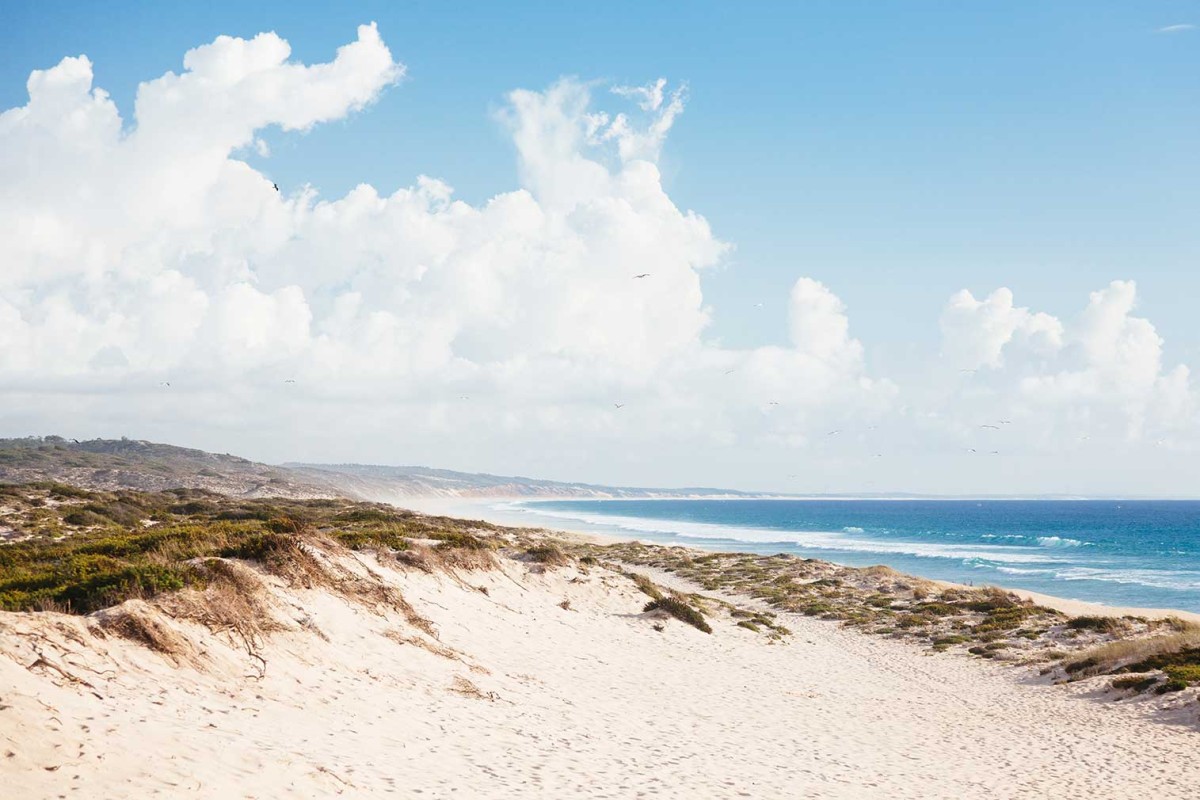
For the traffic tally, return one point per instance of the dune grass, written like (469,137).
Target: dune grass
(81,551)
(680,611)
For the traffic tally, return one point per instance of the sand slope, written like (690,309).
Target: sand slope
(535,700)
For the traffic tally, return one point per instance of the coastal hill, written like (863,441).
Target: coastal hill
(111,464)
(395,483)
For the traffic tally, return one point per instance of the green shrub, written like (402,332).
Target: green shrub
(680,610)
(367,539)
(547,554)
(1138,683)
(1099,624)
(1187,674)
(645,585)
(462,541)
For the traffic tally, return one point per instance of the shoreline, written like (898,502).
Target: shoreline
(376,650)
(480,508)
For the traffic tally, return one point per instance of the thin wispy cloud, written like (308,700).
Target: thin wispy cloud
(1180,28)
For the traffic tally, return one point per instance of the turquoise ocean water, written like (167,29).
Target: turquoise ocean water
(1130,553)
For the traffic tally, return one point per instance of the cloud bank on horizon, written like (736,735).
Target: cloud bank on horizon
(146,252)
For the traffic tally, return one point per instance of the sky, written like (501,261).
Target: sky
(914,246)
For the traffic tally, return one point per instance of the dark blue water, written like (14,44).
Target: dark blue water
(1131,553)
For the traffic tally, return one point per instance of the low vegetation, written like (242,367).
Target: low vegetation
(680,610)
(984,622)
(79,551)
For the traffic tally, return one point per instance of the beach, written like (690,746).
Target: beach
(501,511)
(533,680)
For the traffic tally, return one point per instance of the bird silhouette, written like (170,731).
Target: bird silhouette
(619,405)
(993,427)
(773,402)
(643,275)
(290,380)
(834,433)
(730,371)
(972,450)
(1006,422)
(165,383)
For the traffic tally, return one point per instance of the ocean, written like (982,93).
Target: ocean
(1128,553)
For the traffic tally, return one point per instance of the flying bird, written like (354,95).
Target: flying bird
(290,380)
(619,405)
(993,427)
(1006,422)
(773,403)
(730,371)
(463,397)
(164,383)
(276,185)
(643,275)
(834,433)
(972,450)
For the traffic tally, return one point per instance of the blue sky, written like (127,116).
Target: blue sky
(893,153)
(897,151)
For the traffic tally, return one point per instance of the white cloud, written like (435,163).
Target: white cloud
(1180,28)
(149,252)
(975,332)
(418,327)
(1100,372)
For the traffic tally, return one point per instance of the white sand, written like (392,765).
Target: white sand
(589,701)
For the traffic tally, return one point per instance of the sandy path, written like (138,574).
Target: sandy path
(590,701)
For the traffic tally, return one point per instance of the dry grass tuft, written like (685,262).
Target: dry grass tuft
(138,622)
(436,648)
(468,689)
(549,555)
(645,585)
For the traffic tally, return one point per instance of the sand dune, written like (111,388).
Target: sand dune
(521,697)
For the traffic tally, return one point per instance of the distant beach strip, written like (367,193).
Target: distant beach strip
(1123,553)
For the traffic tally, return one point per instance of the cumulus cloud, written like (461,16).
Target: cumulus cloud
(143,251)
(1101,370)
(418,327)
(975,332)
